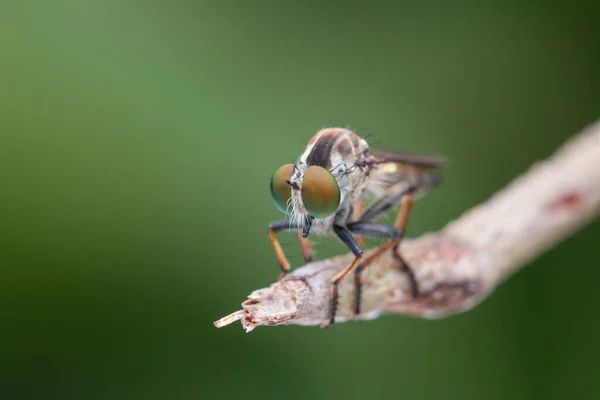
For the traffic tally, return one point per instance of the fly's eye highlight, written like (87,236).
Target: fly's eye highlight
(280,189)
(320,192)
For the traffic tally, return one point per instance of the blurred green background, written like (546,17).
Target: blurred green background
(134,140)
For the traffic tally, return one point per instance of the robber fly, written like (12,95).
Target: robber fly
(323,192)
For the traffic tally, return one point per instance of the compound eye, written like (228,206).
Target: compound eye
(280,189)
(320,192)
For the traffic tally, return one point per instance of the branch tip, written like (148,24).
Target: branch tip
(229,319)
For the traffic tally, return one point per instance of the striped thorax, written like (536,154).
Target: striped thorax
(327,178)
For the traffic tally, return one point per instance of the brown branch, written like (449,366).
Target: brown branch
(458,266)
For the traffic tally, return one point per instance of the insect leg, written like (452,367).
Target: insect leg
(372,229)
(397,192)
(356,213)
(305,245)
(275,227)
(401,221)
(390,198)
(346,237)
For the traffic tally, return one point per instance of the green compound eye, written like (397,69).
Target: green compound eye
(280,189)
(320,192)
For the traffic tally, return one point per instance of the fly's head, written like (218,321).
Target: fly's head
(325,180)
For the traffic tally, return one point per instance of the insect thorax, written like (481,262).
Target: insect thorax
(339,151)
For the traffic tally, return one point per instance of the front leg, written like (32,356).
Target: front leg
(304,243)
(285,225)
(346,237)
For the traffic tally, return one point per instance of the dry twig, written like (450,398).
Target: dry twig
(458,266)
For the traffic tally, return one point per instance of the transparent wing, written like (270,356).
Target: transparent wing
(406,158)
(389,168)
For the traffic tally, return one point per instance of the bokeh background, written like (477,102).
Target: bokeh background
(134,141)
